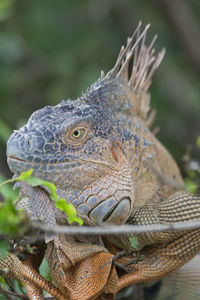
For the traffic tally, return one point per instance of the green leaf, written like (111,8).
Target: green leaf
(27,177)
(6,182)
(33,181)
(45,271)
(7,190)
(52,189)
(29,248)
(134,242)
(60,203)
(24,175)
(11,219)
(70,210)
(4,247)
(2,282)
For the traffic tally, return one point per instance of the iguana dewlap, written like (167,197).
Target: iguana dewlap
(103,158)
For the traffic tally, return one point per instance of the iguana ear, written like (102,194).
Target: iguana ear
(117,153)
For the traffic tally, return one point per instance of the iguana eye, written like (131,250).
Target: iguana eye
(78,133)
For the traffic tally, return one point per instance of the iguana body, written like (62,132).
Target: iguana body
(103,158)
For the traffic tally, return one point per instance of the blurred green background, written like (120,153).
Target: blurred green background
(52,50)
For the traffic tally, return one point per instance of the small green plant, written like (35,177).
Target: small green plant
(4,248)
(13,221)
(135,244)
(60,203)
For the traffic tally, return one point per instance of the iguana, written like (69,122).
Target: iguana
(104,159)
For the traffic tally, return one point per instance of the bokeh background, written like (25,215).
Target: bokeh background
(52,50)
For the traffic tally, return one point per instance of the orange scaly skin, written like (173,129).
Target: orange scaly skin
(32,280)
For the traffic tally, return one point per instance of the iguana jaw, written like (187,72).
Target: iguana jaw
(108,199)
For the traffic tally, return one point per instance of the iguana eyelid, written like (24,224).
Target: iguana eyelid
(77,141)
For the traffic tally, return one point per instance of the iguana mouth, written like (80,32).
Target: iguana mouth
(16,158)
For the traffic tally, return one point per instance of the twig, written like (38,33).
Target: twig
(118,229)
(9,293)
(21,296)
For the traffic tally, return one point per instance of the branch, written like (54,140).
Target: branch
(118,229)
(20,296)
(8,293)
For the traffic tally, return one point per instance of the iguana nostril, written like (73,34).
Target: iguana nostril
(29,143)
(34,143)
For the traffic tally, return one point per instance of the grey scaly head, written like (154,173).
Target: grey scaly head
(81,145)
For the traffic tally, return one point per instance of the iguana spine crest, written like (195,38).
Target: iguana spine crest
(143,60)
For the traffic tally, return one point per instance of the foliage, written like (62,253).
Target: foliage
(11,218)
(8,211)
(4,248)
(60,203)
(134,243)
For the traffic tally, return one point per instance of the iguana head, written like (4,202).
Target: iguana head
(80,144)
